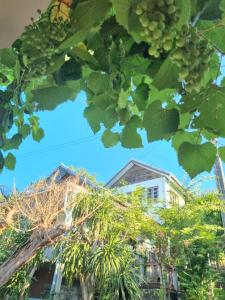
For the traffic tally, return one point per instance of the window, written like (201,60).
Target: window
(153,192)
(174,199)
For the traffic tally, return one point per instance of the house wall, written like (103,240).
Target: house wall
(165,191)
(168,192)
(159,182)
(164,188)
(160,202)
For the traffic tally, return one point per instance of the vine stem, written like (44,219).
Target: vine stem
(196,19)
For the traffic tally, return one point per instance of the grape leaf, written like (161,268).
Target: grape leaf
(130,138)
(25,130)
(7,57)
(122,9)
(135,27)
(140,96)
(163,95)
(37,133)
(221,151)
(211,10)
(185,120)
(167,76)
(160,123)
(70,70)
(196,158)
(86,15)
(94,116)
(110,116)
(81,51)
(214,70)
(110,138)
(123,99)
(14,142)
(10,161)
(135,64)
(103,100)
(98,82)
(212,111)
(185,136)
(214,32)
(49,98)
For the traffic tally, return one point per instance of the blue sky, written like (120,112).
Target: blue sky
(69,140)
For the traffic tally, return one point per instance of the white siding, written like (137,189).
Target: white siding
(159,182)
(170,190)
(164,193)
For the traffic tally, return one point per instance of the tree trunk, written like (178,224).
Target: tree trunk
(27,251)
(87,289)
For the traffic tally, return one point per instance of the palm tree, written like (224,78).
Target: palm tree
(108,269)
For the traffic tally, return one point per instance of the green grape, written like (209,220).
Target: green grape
(183,73)
(161,3)
(153,51)
(139,11)
(157,34)
(180,42)
(171,9)
(152,25)
(192,56)
(40,43)
(167,45)
(178,55)
(159,20)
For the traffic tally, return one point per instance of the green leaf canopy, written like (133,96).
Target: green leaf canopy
(196,158)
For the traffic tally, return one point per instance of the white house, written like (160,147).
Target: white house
(165,190)
(158,184)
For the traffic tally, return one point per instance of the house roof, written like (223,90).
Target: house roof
(64,172)
(134,162)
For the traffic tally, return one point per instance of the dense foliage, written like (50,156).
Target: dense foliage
(197,247)
(97,251)
(107,249)
(144,65)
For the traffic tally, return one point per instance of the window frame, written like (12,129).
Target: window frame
(154,194)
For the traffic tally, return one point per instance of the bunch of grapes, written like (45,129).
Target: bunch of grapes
(40,43)
(192,56)
(158,19)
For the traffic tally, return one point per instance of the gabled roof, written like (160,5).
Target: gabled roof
(64,172)
(133,163)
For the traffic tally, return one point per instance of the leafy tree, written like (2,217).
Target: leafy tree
(144,65)
(101,246)
(196,239)
(101,253)
(97,240)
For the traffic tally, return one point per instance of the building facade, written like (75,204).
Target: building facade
(158,184)
(164,190)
